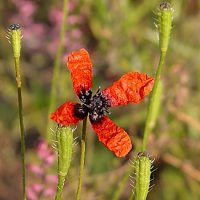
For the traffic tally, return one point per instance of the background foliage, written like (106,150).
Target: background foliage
(120,37)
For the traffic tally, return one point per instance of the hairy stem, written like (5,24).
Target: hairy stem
(18,81)
(82,159)
(61,181)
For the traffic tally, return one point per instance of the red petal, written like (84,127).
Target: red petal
(132,87)
(65,114)
(80,66)
(112,136)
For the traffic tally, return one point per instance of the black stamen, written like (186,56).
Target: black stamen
(96,106)
(80,111)
(85,96)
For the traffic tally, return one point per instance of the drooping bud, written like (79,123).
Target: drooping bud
(142,175)
(164,24)
(14,36)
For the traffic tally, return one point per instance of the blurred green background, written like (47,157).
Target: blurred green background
(121,37)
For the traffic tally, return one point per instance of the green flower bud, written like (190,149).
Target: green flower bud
(142,175)
(64,137)
(164,24)
(14,36)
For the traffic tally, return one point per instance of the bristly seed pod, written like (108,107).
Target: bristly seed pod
(14,37)
(164,24)
(142,175)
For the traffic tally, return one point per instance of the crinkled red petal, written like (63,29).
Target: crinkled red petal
(112,136)
(80,66)
(65,114)
(132,87)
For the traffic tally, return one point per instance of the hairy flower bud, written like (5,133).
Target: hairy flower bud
(64,137)
(14,36)
(164,24)
(142,175)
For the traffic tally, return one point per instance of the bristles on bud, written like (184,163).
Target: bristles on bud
(64,144)
(64,137)
(142,175)
(14,38)
(164,24)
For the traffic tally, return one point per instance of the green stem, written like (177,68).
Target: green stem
(149,123)
(82,159)
(56,67)
(18,81)
(61,181)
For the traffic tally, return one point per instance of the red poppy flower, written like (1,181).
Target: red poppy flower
(132,87)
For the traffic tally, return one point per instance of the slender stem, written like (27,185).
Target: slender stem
(61,181)
(82,159)
(18,81)
(56,67)
(149,123)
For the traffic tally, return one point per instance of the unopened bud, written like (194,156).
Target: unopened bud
(164,24)
(142,175)
(64,137)
(14,36)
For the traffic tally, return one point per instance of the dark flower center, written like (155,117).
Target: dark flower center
(96,106)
